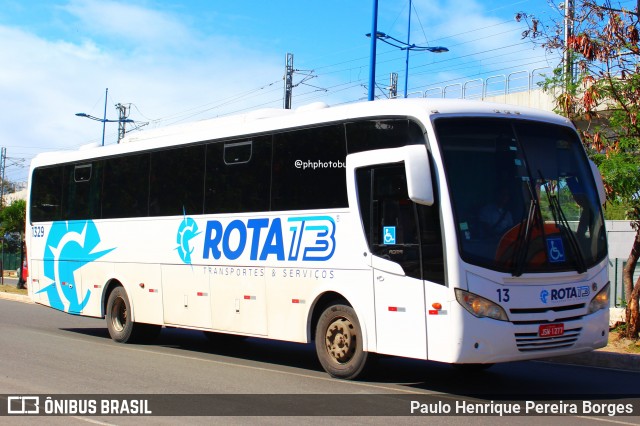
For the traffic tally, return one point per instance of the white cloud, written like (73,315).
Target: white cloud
(167,65)
(44,82)
(481,43)
(129,24)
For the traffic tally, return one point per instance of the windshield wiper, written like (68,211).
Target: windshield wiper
(561,222)
(521,250)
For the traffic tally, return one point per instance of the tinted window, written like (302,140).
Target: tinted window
(523,195)
(297,170)
(309,169)
(46,195)
(126,186)
(379,134)
(177,181)
(238,176)
(397,228)
(82,189)
(236,153)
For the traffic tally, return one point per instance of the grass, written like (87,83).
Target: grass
(12,289)
(620,344)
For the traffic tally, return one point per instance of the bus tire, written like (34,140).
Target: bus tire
(121,328)
(339,343)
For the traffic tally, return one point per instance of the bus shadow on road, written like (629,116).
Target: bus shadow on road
(385,369)
(415,374)
(288,354)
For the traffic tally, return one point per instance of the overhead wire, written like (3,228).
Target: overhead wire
(201,109)
(392,55)
(357,76)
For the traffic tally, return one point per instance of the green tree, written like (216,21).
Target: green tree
(13,218)
(12,224)
(603,101)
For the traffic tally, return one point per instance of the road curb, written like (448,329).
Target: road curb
(15,297)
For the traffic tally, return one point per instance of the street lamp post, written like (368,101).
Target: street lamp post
(392,41)
(406,62)
(104,119)
(372,58)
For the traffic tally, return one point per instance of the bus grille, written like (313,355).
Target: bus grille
(530,319)
(547,309)
(531,342)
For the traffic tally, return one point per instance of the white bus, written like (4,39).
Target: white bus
(446,230)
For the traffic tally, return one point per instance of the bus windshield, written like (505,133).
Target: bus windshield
(523,195)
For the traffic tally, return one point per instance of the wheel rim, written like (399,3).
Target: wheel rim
(119,314)
(340,340)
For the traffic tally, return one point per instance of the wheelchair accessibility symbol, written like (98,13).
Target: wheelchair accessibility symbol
(388,235)
(555,249)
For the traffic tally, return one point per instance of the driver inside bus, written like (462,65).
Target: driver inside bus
(495,217)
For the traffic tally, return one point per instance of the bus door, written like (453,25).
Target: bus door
(388,217)
(400,216)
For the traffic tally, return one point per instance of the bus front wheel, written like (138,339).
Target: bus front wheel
(339,343)
(121,327)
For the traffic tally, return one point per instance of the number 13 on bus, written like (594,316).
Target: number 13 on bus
(454,231)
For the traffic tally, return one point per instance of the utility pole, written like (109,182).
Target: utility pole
(393,88)
(288,81)
(568,32)
(104,119)
(406,64)
(3,162)
(123,114)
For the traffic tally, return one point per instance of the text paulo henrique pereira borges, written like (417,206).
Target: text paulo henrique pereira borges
(521,408)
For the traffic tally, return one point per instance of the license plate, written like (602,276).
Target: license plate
(550,330)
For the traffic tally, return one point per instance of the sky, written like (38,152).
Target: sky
(177,61)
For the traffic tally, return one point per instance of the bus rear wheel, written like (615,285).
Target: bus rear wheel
(339,343)
(121,328)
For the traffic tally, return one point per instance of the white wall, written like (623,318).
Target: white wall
(620,238)
(19,195)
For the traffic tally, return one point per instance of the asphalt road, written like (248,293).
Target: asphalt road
(46,352)
(9,281)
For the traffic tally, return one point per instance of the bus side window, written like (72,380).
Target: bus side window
(396,228)
(82,188)
(177,181)
(125,191)
(308,169)
(367,135)
(238,175)
(46,197)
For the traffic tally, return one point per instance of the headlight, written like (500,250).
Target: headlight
(479,306)
(600,300)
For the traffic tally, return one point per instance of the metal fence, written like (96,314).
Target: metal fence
(490,87)
(10,261)
(616,267)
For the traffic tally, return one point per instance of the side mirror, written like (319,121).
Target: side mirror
(416,164)
(599,184)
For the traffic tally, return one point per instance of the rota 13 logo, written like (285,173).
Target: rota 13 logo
(306,238)
(70,246)
(565,293)
(186,232)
